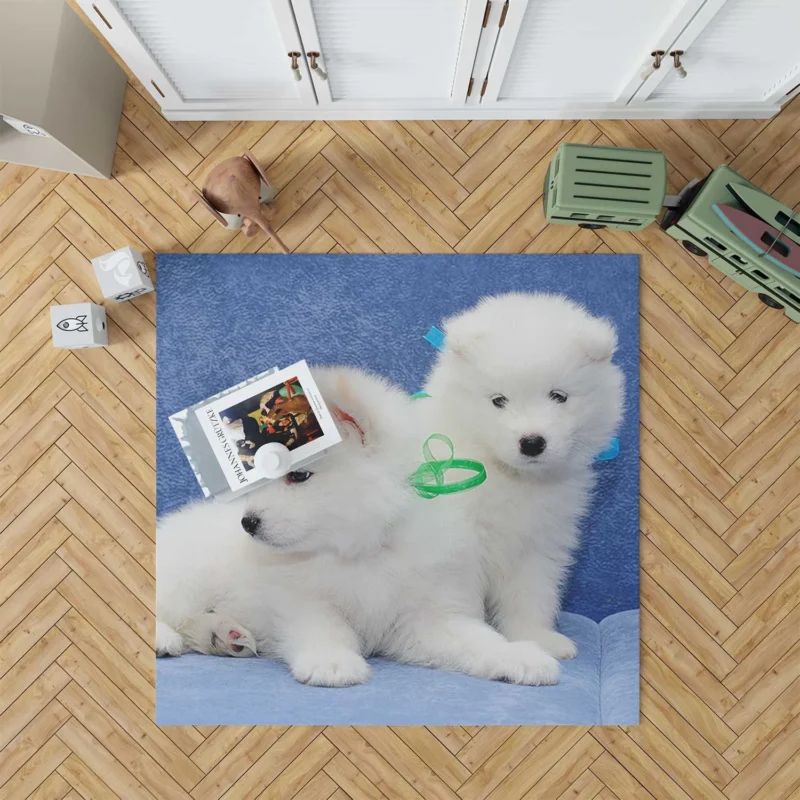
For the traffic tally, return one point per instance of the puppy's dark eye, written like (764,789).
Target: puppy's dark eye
(298,476)
(499,400)
(558,396)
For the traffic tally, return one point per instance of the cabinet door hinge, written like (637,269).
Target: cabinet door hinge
(485,84)
(486,13)
(503,15)
(469,88)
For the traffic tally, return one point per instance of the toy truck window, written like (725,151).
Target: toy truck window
(791,225)
(714,243)
(781,248)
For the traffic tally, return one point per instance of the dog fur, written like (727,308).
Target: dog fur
(343,565)
(525,353)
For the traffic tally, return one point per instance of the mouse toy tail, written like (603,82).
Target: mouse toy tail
(262,223)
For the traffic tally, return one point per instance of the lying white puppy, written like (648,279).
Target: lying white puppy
(338,562)
(526,385)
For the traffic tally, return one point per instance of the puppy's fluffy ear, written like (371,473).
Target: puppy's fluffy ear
(349,419)
(462,334)
(348,407)
(599,340)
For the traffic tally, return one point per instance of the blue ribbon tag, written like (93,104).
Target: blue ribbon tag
(612,451)
(435,337)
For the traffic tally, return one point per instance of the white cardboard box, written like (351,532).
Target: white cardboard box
(79,325)
(122,274)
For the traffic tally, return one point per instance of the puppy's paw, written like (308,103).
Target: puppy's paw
(556,644)
(230,639)
(528,664)
(168,641)
(333,668)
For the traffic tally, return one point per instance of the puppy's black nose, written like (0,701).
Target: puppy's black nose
(532,446)
(250,523)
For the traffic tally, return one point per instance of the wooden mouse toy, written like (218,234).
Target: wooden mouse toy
(233,193)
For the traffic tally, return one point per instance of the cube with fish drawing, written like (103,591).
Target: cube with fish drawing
(122,275)
(78,325)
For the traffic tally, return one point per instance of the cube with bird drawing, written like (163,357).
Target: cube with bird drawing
(122,275)
(78,325)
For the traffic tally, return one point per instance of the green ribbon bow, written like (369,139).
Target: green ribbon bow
(428,478)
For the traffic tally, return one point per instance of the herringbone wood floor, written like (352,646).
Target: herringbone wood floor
(720,504)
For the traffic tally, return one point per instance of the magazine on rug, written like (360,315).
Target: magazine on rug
(222,435)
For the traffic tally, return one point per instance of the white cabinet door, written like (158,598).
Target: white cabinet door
(736,50)
(385,54)
(207,53)
(562,53)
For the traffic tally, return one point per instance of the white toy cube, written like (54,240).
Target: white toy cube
(78,325)
(122,274)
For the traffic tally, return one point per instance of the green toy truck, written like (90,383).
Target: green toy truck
(695,224)
(605,187)
(597,187)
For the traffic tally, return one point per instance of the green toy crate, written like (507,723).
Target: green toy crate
(701,231)
(596,187)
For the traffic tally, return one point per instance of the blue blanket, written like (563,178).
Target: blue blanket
(599,687)
(225,318)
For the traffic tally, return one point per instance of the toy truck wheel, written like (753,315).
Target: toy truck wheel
(592,226)
(693,248)
(769,301)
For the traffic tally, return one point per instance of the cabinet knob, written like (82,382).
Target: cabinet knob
(657,56)
(317,70)
(676,59)
(296,74)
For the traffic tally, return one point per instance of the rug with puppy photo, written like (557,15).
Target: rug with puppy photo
(399,490)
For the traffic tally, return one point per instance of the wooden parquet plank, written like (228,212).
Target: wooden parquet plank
(437,143)
(350,780)
(30,267)
(317,756)
(537,146)
(153,161)
(553,749)
(514,750)
(31,629)
(29,232)
(409,218)
(236,762)
(720,475)
(476,133)
(12,176)
(25,199)
(86,783)
(120,744)
(686,739)
(93,758)
(419,161)
(690,675)
(153,198)
(351,202)
(147,119)
(291,159)
(683,555)
(495,150)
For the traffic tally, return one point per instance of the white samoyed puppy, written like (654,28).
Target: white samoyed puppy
(526,384)
(337,562)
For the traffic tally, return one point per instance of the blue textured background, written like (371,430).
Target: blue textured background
(223,318)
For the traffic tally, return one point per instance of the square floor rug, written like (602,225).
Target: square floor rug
(224,318)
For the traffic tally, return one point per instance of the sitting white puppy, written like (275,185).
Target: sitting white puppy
(337,562)
(526,385)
